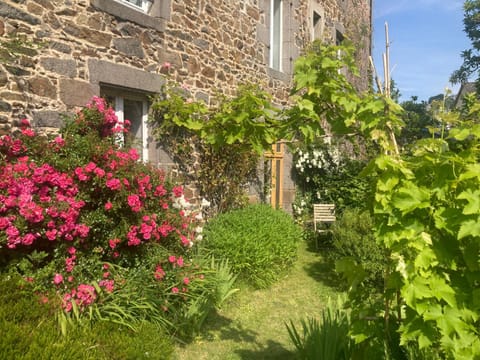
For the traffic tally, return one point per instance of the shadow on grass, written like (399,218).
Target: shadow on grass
(272,351)
(220,327)
(323,268)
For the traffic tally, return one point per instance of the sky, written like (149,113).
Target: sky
(426,41)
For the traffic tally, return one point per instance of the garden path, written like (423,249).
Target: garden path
(251,325)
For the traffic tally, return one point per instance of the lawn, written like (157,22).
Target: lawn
(251,325)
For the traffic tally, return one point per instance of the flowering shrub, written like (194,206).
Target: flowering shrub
(81,203)
(324,175)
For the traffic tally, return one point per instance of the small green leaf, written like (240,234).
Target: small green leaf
(469,228)
(473,199)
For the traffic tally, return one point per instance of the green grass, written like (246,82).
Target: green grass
(251,325)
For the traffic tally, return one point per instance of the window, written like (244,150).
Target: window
(276,29)
(142,5)
(147,13)
(134,108)
(317,24)
(339,37)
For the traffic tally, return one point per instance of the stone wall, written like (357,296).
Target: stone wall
(69,49)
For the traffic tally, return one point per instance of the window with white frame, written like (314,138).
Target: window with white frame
(134,108)
(142,5)
(276,30)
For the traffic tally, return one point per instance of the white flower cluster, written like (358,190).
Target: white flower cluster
(316,159)
(199,229)
(183,204)
(300,208)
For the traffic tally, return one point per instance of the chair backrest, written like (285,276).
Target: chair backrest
(323,213)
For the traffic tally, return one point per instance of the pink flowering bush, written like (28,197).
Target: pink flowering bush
(81,216)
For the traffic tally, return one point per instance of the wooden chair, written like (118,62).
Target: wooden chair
(323,218)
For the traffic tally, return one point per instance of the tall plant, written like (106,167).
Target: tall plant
(425,211)
(217,147)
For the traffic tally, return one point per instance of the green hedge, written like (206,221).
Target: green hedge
(259,242)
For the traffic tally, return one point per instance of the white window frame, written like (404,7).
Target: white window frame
(145,7)
(276,37)
(119,111)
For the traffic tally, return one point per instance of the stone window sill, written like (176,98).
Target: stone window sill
(156,19)
(279,75)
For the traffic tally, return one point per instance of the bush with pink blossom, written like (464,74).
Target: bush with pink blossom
(80,216)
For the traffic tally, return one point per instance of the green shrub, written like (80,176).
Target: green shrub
(259,242)
(353,237)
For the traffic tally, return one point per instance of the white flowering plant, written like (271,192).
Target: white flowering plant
(325,174)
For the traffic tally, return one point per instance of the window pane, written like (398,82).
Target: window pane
(144,5)
(276,34)
(133,111)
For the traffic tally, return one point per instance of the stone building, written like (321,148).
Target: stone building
(74,49)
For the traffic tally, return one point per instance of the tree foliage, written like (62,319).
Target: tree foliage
(471,57)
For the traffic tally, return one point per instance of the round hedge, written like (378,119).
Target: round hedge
(259,242)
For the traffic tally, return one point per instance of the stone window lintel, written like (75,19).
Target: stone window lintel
(156,19)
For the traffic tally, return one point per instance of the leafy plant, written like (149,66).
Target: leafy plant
(259,242)
(353,237)
(85,219)
(425,215)
(325,339)
(217,148)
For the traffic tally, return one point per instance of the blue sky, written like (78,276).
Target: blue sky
(426,41)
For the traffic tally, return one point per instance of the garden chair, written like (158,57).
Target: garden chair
(323,218)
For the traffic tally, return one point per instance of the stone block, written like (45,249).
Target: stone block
(131,47)
(5,106)
(53,119)
(102,39)
(63,67)
(42,86)
(120,75)
(76,93)
(9,12)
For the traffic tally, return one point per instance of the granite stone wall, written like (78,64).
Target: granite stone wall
(56,54)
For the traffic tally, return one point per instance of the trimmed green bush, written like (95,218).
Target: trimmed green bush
(259,242)
(353,237)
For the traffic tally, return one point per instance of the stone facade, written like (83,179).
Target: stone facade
(74,49)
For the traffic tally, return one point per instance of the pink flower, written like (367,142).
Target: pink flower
(160,191)
(186,280)
(51,234)
(159,273)
(24,123)
(180,261)
(114,184)
(177,191)
(57,279)
(134,203)
(59,141)
(175,290)
(91,166)
(71,250)
(172,259)
(28,132)
(113,243)
(107,284)
(108,206)
(166,65)
(99,172)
